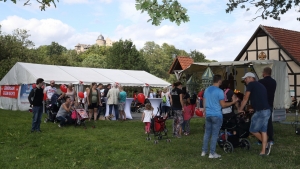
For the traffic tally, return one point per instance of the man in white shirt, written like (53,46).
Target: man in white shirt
(50,90)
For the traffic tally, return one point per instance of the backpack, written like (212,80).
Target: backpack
(164,99)
(34,91)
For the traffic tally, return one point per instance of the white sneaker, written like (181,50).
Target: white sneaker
(203,153)
(59,125)
(214,155)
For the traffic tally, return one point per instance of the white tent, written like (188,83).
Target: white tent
(282,98)
(27,73)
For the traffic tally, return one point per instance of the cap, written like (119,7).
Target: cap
(249,74)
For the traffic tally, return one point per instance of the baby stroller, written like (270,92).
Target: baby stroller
(228,140)
(79,116)
(158,127)
(52,108)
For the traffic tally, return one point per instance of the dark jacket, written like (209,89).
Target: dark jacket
(270,85)
(36,96)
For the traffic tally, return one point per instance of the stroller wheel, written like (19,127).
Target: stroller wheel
(228,147)
(245,144)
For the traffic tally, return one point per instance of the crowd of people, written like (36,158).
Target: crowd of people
(218,101)
(93,102)
(217,104)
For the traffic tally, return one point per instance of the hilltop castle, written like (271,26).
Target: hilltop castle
(100,42)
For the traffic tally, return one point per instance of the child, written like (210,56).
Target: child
(187,115)
(146,117)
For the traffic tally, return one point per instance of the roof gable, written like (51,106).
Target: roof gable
(288,40)
(180,63)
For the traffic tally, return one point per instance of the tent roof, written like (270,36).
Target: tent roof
(202,66)
(27,73)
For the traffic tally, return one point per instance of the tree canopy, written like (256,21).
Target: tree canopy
(265,8)
(173,11)
(153,58)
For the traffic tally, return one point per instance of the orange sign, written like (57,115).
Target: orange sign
(10,91)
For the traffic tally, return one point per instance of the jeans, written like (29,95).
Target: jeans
(165,109)
(259,121)
(270,131)
(212,128)
(186,125)
(116,108)
(62,120)
(37,112)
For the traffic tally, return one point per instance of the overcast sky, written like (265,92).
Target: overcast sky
(220,36)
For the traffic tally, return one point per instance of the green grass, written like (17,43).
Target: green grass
(115,144)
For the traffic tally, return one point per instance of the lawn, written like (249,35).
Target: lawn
(113,144)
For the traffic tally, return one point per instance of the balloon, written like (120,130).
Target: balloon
(45,96)
(80,95)
(199,112)
(63,88)
(33,85)
(141,98)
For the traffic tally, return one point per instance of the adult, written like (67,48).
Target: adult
(122,102)
(106,90)
(83,101)
(186,95)
(270,85)
(50,90)
(257,94)
(112,101)
(35,99)
(63,114)
(151,94)
(228,112)
(177,107)
(200,97)
(93,100)
(165,106)
(102,107)
(213,101)
(70,93)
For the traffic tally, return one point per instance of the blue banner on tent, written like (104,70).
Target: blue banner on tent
(24,93)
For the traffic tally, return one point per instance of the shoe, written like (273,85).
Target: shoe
(268,148)
(31,131)
(272,143)
(39,131)
(59,125)
(262,155)
(203,153)
(214,155)
(258,143)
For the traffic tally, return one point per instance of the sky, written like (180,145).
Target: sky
(218,35)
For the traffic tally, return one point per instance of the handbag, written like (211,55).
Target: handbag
(74,115)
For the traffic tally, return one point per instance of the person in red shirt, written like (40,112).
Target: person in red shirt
(200,96)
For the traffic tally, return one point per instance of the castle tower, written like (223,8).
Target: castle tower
(100,41)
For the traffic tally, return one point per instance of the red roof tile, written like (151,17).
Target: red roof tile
(288,39)
(184,62)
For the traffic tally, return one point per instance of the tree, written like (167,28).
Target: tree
(94,61)
(266,8)
(14,48)
(169,9)
(124,55)
(43,3)
(55,49)
(198,56)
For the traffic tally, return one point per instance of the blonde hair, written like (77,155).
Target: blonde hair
(165,90)
(148,106)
